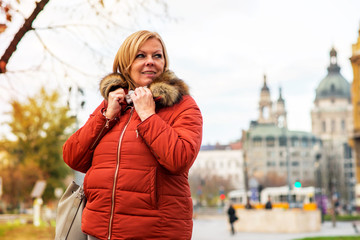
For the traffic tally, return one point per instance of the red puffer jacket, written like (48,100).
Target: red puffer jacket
(136,180)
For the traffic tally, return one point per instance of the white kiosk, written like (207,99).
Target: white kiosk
(36,193)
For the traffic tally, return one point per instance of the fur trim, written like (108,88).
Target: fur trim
(167,89)
(112,82)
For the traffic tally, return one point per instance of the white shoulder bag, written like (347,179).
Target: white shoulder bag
(69,212)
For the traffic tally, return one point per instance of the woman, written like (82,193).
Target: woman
(232,217)
(137,148)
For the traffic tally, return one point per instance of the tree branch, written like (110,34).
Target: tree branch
(27,26)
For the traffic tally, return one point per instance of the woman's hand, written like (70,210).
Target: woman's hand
(114,100)
(143,102)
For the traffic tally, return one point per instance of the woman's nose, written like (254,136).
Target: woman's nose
(149,61)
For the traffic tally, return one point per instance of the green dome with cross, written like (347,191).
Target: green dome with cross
(334,85)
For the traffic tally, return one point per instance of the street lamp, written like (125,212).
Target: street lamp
(318,190)
(351,185)
(287,155)
(79,104)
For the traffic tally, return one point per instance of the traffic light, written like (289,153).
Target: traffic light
(222,196)
(222,193)
(297,184)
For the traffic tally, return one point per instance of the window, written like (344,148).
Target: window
(271,164)
(313,141)
(257,141)
(332,89)
(266,112)
(270,154)
(304,154)
(295,154)
(294,141)
(332,126)
(270,141)
(349,175)
(304,142)
(282,141)
(343,126)
(281,121)
(347,151)
(295,163)
(324,126)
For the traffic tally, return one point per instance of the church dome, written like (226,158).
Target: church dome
(334,85)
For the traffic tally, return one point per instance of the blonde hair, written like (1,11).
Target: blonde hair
(128,50)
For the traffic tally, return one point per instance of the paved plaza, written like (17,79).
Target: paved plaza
(216,228)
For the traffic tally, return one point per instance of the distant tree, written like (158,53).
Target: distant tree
(209,186)
(273,179)
(39,126)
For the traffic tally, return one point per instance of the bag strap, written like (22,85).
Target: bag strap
(71,216)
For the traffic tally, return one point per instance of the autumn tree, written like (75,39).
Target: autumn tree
(273,179)
(207,188)
(39,127)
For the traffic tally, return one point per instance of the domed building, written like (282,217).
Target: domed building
(334,85)
(332,113)
(275,155)
(332,122)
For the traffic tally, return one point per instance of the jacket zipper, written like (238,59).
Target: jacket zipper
(116,173)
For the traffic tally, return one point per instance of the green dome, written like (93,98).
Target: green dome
(334,85)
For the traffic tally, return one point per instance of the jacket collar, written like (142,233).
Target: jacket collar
(167,89)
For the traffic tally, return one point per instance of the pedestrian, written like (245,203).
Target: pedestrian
(232,217)
(137,147)
(268,204)
(248,204)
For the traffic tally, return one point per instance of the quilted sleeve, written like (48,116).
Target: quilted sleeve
(79,148)
(177,143)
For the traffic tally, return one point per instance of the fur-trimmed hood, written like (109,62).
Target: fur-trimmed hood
(167,89)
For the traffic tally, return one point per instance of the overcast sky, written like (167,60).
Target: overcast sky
(222,49)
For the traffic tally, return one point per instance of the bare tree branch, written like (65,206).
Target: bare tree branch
(27,26)
(90,29)
(59,59)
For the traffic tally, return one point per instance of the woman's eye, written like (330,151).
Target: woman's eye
(140,55)
(158,55)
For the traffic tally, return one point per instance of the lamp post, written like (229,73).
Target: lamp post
(245,164)
(288,168)
(79,104)
(351,184)
(287,159)
(318,191)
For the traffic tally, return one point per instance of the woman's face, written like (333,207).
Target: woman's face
(148,64)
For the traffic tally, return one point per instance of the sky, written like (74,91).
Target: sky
(222,49)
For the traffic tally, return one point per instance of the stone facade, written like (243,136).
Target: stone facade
(332,122)
(273,152)
(225,163)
